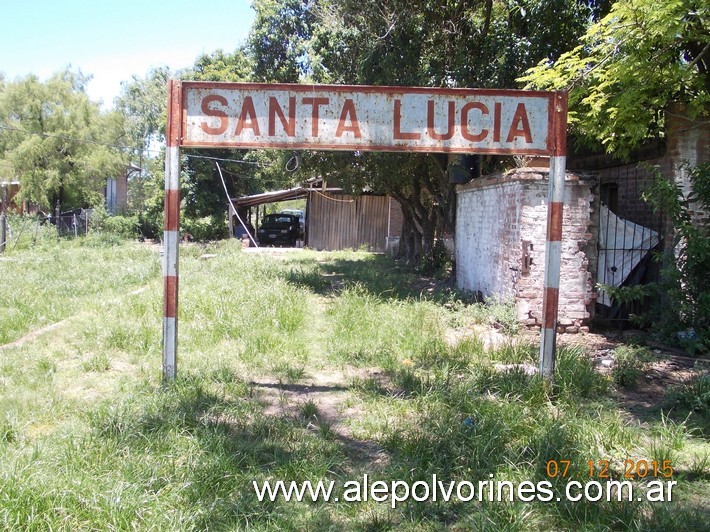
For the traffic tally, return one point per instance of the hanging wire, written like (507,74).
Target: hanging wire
(222,159)
(329,198)
(294,163)
(224,184)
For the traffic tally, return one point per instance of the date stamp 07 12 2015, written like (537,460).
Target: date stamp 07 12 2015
(633,469)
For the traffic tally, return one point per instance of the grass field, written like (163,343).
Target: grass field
(300,366)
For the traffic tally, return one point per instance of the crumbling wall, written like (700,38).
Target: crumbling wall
(501,231)
(688,145)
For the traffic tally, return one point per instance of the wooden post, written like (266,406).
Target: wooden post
(57,219)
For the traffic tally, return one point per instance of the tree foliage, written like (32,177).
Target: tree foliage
(279,40)
(629,66)
(56,142)
(143,104)
(412,43)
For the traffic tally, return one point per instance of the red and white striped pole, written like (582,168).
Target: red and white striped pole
(553,248)
(171,234)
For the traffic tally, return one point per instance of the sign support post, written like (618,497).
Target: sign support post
(171,233)
(3,219)
(365,118)
(553,248)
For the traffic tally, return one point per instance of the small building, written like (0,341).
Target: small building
(116,190)
(609,232)
(13,206)
(333,220)
(501,236)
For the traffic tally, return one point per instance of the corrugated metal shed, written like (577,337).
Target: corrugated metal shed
(337,221)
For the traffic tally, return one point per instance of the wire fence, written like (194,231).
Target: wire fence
(72,223)
(21,231)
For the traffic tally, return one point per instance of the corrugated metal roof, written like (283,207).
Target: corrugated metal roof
(270,197)
(277,195)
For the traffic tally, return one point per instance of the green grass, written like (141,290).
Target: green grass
(305,367)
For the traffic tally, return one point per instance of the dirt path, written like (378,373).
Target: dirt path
(33,335)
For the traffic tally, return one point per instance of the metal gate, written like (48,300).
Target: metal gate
(630,241)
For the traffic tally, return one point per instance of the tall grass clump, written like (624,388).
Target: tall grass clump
(311,366)
(48,285)
(576,377)
(629,365)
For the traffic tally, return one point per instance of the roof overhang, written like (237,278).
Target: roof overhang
(278,195)
(270,197)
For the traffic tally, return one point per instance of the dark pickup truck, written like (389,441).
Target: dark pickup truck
(278,229)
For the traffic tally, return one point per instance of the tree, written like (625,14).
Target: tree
(629,67)
(222,66)
(56,142)
(417,43)
(279,40)
(143,104)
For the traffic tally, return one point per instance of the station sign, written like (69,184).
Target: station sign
(366,118)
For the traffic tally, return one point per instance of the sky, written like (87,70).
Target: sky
(112,40)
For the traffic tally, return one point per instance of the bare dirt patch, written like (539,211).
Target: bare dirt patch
(667,368)
(324,400)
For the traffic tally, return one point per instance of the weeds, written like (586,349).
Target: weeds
(691,396)
(629,365)
(91,439)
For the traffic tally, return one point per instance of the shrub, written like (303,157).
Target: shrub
(681,313)
(207,228)
(121,225)
(685,282)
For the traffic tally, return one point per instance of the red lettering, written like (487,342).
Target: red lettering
(206,101)
(465,133)
(398,134)
(430,121)
(497,111)
(247,118)
(316,103)
(520,127)
(275,110)
(348,113)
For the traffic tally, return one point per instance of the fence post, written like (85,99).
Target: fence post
(57,219)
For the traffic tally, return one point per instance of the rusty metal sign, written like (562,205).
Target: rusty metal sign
(338,117)
(367,118)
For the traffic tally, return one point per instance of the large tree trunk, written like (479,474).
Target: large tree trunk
(428,208)
(418,228)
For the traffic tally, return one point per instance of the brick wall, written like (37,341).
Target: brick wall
(688,145)
(395,222)
(396,219)
(496,215)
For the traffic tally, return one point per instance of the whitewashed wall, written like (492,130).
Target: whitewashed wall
(495,215)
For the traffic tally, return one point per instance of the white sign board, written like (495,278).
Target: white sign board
(372,118)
